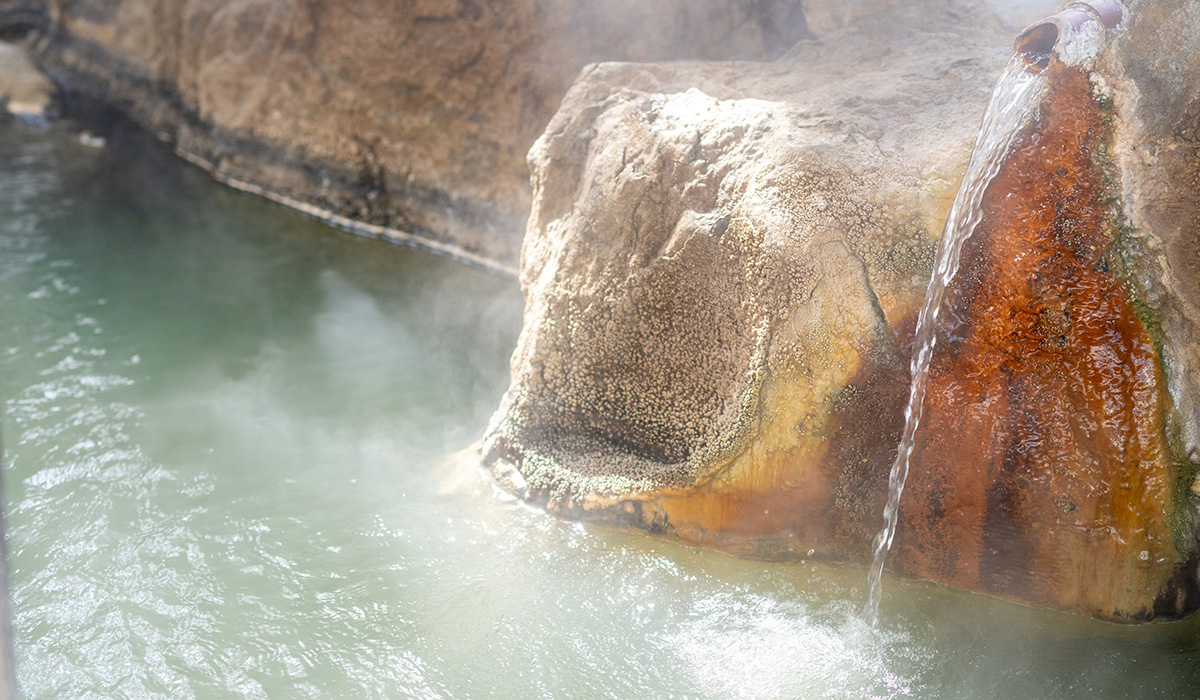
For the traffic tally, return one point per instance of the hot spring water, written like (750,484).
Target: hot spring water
(1013,102)
(230,437)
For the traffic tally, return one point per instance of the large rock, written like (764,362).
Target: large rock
(722,271)
(412,115)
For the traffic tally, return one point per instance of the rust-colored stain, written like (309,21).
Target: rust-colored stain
(1041,471)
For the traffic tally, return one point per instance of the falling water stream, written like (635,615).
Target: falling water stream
(1013,102)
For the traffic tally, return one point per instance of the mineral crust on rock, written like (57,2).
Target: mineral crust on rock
(722,272)
(1044,467)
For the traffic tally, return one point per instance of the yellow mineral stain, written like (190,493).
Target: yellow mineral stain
(786,492)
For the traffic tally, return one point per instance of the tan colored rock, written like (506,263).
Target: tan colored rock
(722,268)
(414,115)
(24,90)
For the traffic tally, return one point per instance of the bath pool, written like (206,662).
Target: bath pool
(234,469)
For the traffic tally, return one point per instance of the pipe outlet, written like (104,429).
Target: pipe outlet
(1036,43)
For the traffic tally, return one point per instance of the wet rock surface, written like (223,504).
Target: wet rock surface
(1043,469)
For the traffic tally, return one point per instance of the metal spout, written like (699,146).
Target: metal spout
(1036,43)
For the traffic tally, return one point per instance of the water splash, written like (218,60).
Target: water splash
(1013,102)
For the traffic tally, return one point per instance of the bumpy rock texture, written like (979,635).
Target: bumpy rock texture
(414,114)
(723,267)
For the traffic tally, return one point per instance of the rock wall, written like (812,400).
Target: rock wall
(413,115)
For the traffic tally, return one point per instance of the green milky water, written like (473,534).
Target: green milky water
(231,467)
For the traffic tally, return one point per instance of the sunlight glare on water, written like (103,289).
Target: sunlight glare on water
(234,469)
